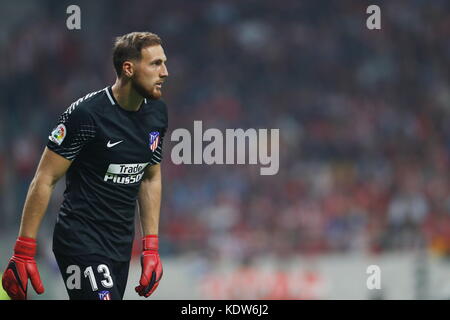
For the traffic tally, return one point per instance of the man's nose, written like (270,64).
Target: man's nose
(164,72)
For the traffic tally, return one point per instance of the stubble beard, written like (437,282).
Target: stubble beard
(154,94)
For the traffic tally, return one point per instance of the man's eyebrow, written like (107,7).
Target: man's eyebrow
(158,59)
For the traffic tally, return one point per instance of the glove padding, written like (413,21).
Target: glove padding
(22,267)
(151,266)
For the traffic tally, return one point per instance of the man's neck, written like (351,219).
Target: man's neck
(126,96)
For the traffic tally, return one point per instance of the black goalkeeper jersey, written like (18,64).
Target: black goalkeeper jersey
(110,147)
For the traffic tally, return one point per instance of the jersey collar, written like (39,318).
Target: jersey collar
(111,98)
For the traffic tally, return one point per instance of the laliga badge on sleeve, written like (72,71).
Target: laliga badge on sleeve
(58,134)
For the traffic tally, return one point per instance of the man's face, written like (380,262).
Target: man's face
(150,72)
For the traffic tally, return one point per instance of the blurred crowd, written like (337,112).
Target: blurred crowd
(363,117)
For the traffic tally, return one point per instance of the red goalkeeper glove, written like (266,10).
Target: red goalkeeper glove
(151,266)
(22,267)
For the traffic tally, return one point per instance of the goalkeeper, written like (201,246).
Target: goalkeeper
(108,144)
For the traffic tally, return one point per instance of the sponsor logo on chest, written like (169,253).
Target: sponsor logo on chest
(128,173)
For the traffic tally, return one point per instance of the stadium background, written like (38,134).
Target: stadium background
(364,140)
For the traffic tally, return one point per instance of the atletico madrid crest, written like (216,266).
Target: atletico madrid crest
(104,295)
(154,140)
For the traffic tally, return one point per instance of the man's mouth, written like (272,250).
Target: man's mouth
(159,84)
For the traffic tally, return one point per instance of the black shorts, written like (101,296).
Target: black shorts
(93,277)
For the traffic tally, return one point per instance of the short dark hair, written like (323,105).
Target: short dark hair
(129,46)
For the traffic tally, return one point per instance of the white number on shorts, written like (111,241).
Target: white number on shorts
(108,282)
(73,281)
(90,274)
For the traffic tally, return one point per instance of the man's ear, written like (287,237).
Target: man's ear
(128,69)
